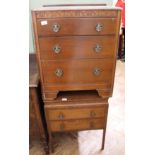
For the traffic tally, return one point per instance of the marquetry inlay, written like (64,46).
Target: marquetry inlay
(77,13)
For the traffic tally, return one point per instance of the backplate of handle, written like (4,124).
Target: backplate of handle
(98,48)
(99,27)
(57,49)
(59,72)
(61,116)
(92,114)
(56,27)
(96,71)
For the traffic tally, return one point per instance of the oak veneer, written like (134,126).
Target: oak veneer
(83,47)
(74,125)
(76,113)
(71,26)
(77,71)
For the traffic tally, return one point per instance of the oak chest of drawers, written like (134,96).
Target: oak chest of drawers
(76,48)
(76,111)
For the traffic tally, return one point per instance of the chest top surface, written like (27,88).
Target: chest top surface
(51,8)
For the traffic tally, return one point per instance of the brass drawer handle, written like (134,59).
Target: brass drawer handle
(92,125)
(98,48)
(57,49)
(59,72)
(92,114)
(62,127)
(96,71)
(99,27)
(56,27)
(61,116)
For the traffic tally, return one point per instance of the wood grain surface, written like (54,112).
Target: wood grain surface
(77,47)
(76,113)
(74,125)
(77,71)
(78,26)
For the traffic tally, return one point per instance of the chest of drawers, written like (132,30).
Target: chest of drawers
(76,111)
(76,48)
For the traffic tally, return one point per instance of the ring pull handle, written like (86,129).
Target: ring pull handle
(92,114)
(59,72)
(57,49)
(61,116)
(97,71)
(98,48)
(99,27)
(56,27)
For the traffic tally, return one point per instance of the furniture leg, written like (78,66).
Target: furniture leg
(50,96)
(103,93)
(51,148)
(103,139)
(46,147)
(104,129)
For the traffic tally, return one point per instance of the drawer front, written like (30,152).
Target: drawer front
(76,26)
(76,47)
(77,71)
(75,113)
(74,125)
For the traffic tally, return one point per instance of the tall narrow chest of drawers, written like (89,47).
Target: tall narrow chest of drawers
(76,50)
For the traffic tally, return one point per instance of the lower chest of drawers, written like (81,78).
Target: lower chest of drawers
(77,116)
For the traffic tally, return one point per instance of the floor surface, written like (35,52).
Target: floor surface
(89,142)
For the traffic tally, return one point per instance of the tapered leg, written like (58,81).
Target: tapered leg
(47,151)
(45,145)
(103,139)
(105,127)
(51,148)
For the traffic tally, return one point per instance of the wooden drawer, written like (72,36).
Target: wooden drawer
(75,125)
(76,26)
(76,113)
(77,71)
(76,47)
